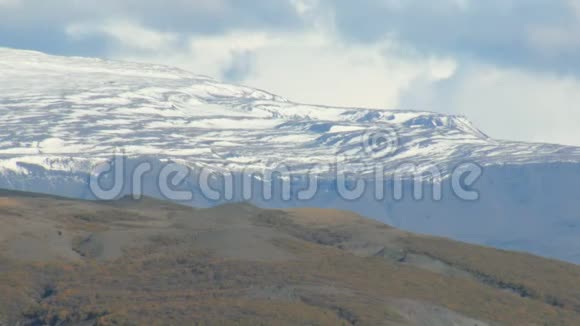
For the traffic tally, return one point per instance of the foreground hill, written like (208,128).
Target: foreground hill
(67,262)
(62,116)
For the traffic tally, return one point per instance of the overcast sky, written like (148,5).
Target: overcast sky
(511,66)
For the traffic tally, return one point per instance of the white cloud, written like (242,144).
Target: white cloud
(462,4)
(126,33)
(507,103)
(316,65)
(308,67)
(312,68)
(218,48)
(9,3)
(303,7)
(217,54)
(554,40)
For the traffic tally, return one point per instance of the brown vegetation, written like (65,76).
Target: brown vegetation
(238,264)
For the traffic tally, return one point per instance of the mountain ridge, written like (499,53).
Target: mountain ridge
(62,117)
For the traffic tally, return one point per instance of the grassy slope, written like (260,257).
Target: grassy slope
(172,278)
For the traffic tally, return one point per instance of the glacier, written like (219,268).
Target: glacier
(62,116)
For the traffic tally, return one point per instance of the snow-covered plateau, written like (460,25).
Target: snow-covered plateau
(62,116)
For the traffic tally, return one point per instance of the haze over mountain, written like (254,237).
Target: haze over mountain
(62,116)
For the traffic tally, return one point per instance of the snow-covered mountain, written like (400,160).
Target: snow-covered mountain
(61,116)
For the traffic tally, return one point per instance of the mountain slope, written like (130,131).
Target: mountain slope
(63,116)
(68,262)
(58,106)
